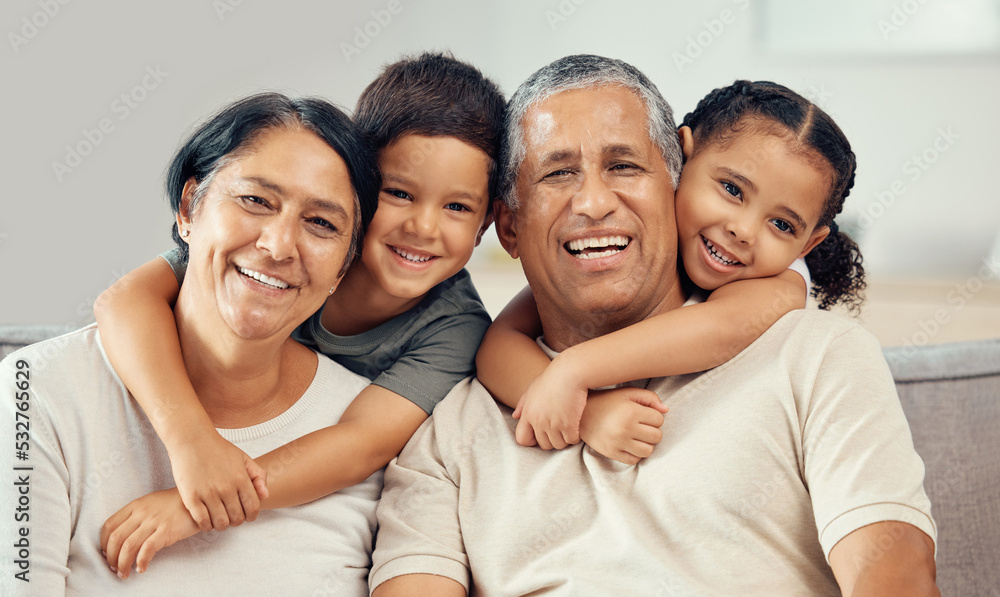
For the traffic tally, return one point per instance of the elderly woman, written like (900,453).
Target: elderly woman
(269,197)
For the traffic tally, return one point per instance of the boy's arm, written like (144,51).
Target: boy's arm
(139,335)
(371,432)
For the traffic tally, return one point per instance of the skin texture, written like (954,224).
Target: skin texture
(285,210)
(433,206)
(592,171)
(571,185)
(755,200)
(280,211)
(771,224)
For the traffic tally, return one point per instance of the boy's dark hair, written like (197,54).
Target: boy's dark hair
(232,131)
(434,94)
(834,264)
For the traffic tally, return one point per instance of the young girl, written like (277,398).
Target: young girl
(405,315)
(765,173)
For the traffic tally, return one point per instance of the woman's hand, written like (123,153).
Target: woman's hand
(145,526)
(219,484)
(550,409)
(623,424)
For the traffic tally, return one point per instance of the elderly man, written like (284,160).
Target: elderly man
(789,470)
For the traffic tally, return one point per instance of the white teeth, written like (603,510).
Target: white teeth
(718,256)
(409,256)
(263,279)
(597,255)
(619,242)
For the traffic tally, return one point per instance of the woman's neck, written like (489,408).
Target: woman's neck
(361,304)
(241,382)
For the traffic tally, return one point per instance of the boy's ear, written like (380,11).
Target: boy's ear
(184,211)
(687,141)
(818,236)
(486,225)
(506,228)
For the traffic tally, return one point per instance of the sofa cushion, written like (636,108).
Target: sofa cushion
(951,396)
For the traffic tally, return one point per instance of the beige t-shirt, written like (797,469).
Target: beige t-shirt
(92,450)
(766,462)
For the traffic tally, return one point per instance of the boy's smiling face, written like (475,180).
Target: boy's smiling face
(433,209)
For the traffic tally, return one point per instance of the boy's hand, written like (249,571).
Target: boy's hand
(623,424)
(549,411)
(143,527)
(219,484)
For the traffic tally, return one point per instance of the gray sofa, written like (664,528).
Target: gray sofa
(951,396)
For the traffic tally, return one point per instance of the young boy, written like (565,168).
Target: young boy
(405,315)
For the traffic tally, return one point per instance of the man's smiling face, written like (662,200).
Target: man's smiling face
(595,227)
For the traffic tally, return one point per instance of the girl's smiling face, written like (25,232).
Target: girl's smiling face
(748,208)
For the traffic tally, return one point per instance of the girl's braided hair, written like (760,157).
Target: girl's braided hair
(834,264)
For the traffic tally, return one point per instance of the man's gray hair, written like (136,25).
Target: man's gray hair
(577,72)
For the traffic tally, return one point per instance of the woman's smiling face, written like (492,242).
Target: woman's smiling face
(269,237)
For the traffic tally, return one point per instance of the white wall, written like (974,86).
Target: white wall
(63,241)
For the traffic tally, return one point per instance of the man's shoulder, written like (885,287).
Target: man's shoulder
(813,327)
(469,402)
(803,340)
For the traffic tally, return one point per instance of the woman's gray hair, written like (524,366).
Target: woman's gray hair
(577,72)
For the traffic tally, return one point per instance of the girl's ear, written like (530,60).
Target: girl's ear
(184,211)
(818,236)
(687,141)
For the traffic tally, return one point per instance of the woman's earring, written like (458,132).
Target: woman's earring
(185,233)
(332,289)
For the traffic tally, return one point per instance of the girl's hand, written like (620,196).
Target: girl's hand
(623,424)
(549,411)
(219,484)
(143,527)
